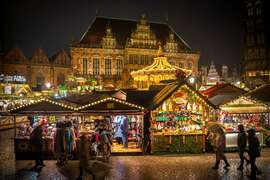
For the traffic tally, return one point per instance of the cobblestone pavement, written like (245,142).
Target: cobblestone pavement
(167,167)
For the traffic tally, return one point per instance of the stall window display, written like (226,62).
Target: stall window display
(125,130)
(178,123)
(23,131)
(181,113)
(231,121)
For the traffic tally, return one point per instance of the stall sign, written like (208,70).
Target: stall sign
(8,89)
(2,77)
(15,78)
(110,105)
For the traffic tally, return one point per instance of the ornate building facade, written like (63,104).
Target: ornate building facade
(256,54)
(112,48)
(39,69)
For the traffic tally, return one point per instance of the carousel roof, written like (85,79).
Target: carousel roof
(159,66)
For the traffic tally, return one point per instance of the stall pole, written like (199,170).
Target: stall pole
(14,125)
(203,138)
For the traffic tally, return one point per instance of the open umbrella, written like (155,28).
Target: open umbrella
(216,128)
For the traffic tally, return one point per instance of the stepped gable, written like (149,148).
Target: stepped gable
(61,58)
(40,57)
(123,29)
(15,56)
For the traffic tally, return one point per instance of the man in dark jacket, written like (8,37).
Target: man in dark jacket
(37,143)
(253,151)
(124,129)
(241,143)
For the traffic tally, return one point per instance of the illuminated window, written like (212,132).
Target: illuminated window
(108,66)
(132,59)
(135,60)
(96,66)
(85,66)
(181,65)
(118,66)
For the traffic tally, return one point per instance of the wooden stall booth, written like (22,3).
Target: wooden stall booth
(243,110)
(178,115)
(32,112)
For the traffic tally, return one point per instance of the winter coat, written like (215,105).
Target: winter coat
(59,141)
(242,141)
(254,146)
(118,131)
(36,138)
(124,127)
(84,152)
(219,142)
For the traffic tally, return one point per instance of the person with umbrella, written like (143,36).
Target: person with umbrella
(218,139)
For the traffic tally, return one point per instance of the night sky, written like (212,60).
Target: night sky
(210,26)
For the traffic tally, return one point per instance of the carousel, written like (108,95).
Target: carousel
(160,70)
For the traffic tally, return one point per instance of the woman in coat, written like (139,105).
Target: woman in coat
(84,155)
(218,142)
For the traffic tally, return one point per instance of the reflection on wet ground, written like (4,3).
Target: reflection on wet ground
(167,167)
(164,167)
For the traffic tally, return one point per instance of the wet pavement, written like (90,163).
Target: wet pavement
(154,167)
(165,167)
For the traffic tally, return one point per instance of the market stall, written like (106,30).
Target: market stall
(32,112)
(243,110)
(123,119)
(88,113)
(178,119)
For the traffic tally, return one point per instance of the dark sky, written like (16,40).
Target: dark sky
(210,26)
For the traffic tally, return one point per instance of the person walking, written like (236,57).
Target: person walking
(219,147)
(253,151)
(241,144)
(37,144)
(59,143)
(84,156)
(124,129)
